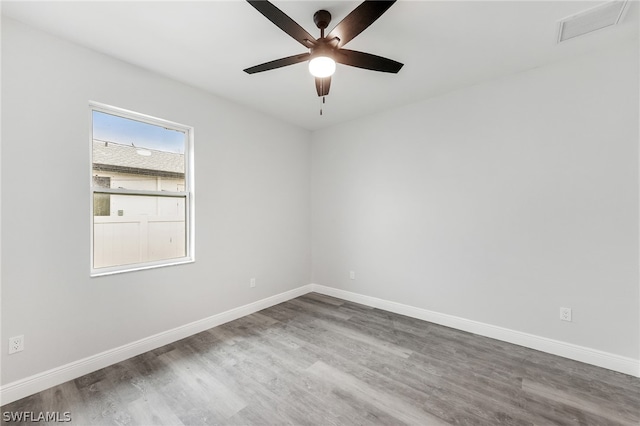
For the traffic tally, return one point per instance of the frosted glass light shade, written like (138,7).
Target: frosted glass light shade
(322,66)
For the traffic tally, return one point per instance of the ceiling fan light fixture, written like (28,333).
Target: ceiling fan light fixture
(328,49)
(322,66)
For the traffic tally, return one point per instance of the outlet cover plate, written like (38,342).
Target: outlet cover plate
(565,314)
(16,344)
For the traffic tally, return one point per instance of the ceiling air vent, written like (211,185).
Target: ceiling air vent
(594,19)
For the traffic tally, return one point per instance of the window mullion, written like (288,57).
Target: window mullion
(99,190)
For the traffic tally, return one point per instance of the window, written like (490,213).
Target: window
(142,191)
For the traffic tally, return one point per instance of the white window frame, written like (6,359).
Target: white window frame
(188,194)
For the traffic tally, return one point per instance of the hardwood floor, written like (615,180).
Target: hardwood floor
(317,360)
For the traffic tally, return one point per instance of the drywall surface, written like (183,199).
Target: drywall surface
(498,203)
(251,197)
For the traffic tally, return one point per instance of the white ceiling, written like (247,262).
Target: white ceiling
(444,45)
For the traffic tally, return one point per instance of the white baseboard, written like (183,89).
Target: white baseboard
(595,357)
(41,381)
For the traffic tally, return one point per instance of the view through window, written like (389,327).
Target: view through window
(141,191)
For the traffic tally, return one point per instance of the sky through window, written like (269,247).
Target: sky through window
(125,131)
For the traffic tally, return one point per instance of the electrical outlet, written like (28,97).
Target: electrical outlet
(16,344)
(252,283)
(565,314)
(352,275)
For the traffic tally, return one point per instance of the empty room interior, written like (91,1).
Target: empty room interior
(320,212)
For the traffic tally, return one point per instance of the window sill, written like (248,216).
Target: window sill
(101,272)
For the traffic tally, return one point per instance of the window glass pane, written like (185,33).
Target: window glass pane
(131,154)
(138,228)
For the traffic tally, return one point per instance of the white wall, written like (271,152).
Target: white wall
(252,206)
(497,203)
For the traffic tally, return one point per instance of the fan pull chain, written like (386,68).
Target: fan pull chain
(323,101)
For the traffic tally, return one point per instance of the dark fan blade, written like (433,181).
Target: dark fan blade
(283,22)
(366,61)
(358,20)
(323,85)
(278,63)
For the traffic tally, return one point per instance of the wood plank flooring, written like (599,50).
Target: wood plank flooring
(317,360)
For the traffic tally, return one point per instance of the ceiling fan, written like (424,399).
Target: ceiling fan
(325,51)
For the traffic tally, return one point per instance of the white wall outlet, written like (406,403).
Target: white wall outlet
(565,314)
(352,275)
(252,283)
(16,344)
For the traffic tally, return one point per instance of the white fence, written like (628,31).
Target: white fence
(123,240)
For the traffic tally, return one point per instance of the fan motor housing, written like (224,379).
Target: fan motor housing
(322,49)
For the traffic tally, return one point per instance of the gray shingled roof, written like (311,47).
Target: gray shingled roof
(113,156)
